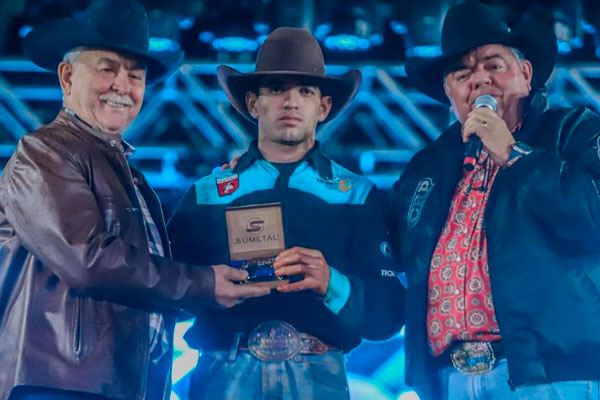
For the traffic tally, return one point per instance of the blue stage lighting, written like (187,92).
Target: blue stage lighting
(163,44)
(185,23)
(261,39)
(398,28)
(588,28)
(322,31)
(424,51)
(577,42)
(376,39)
(235,44)
(24,30)
(563,47)
(261,28)
(347,43)
(206,36)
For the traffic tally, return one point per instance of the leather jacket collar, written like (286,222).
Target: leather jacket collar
(68,117)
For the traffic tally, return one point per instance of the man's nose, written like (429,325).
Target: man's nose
(481,77)
(290,98)
(121,82)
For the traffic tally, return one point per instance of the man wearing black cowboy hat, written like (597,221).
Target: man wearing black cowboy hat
(502,255)
(290,344)
(88,299)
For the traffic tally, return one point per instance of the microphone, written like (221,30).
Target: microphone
(474,144)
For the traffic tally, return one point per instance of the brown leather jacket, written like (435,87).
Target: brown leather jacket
(76,279)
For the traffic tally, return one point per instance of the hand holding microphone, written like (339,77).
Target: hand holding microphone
(473,147)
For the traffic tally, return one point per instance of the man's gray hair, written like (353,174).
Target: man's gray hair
(72,56)
(517,53)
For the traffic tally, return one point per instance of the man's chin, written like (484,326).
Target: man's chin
(115,125)
(292,139)
(115,128)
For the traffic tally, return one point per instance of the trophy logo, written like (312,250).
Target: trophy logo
(255,226)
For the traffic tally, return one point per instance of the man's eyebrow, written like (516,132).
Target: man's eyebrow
(492,56)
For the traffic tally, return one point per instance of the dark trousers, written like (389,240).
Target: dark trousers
(41,393)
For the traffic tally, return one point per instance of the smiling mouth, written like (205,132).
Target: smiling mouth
(114,104)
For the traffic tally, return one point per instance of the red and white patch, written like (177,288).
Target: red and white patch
(228,185)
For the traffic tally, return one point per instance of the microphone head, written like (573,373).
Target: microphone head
(486,100)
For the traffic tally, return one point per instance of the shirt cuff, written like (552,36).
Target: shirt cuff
(338,291)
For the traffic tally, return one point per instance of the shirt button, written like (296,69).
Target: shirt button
(458,258)
(456,291)
(113,143)
(458,325)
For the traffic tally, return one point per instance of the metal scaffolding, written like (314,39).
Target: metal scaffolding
(187,127)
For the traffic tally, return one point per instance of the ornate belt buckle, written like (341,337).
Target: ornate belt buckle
(274,341)
(473,357)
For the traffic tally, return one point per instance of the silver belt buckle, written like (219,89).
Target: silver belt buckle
(274,341)
(473,358)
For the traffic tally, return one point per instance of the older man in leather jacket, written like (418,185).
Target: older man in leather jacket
(88,297)
(502,252)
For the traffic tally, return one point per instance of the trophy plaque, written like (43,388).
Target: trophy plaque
(255,234)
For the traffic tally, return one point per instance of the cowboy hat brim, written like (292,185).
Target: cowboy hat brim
(235,84)
(47,44)
(535,40)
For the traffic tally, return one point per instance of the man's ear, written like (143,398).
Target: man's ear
(251,99)
(324,108)
(447,91)
(65,73)
(527,69)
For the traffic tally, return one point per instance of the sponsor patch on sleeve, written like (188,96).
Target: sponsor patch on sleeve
(228,185)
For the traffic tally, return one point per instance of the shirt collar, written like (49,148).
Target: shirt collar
(110,138)
(314,157)
(127,148)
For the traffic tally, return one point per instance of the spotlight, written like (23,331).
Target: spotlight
(235,44)
(24,30)
(352,26)
(347,42)
(159,44)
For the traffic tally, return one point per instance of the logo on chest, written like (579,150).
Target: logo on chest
(422,191)
(342,185)
(228,185)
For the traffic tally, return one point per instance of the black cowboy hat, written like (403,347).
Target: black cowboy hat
(118,25)
(294,53)
(470,25)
